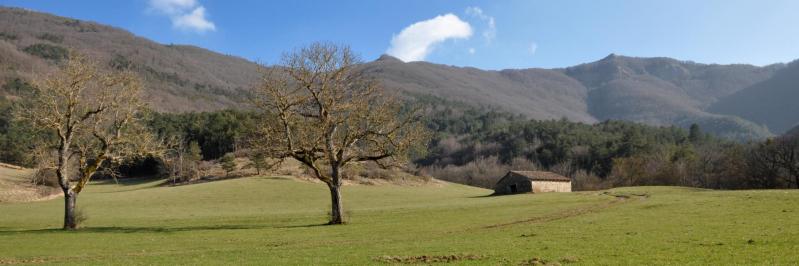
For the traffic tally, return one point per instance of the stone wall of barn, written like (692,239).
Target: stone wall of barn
(551,186)
(503,187)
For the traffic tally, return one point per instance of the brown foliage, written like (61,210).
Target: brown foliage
(320,111)
(94,116)
(482,172)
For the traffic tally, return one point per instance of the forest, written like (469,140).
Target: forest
(476,146)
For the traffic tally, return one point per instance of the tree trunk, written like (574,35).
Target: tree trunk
(796,180)
(336,215)
(70,199)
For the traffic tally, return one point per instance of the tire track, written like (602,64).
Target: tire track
(619,199)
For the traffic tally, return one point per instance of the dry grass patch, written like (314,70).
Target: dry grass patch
(15,186)
(428,258)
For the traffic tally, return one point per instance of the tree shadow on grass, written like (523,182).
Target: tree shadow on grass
(276,177)
(154,182)
(303,225)
(485,196)
(131,181)
(121,229)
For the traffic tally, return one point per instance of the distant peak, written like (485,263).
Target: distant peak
(388,58)
(611,56)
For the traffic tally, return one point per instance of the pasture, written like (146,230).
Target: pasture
(279,221)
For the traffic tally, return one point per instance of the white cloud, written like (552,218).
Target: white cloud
(416,41)
(491,28)
(194,21)
(172,6)
(472,51)
(185,14)
(533,48)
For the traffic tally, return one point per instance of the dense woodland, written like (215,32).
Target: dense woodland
(476,146)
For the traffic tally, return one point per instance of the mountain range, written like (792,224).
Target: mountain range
(737,101)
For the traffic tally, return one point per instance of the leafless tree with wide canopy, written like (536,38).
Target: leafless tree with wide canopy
(320,110)
(94,117)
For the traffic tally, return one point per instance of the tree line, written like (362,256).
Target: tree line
(477,146)
(316,109)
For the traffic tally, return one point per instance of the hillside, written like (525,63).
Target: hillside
(537,93)
(793,132)
(15,185)
(277,221)
(178,77)
(663,91)
(773,102)
(656,91)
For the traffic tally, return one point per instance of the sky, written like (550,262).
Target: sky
(482,34)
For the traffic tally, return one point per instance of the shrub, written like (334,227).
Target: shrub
(47,51)
(228,163)
(8,36)
(81,216)
(482,172)
(45,177)
(51,37)
(120,62)
(583,180)
(258,161)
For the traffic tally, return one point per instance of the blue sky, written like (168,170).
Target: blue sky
(524,33)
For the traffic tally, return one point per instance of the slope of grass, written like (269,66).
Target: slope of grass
(278,221)
(15,185)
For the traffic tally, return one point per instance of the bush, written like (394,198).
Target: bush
(482,172)
(44,177)
(51,37)
(584,181)
(120,62)
(47,51)
(228,163)
(81,216)
(8,36)
(257,161)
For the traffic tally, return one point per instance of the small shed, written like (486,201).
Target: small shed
(515,182)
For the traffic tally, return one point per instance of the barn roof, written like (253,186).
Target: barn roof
(540,175)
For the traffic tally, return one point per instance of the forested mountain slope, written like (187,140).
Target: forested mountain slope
(730,100)
(773,102)
(178,77)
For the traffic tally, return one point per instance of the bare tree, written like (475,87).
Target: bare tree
(323,112)
(761,168)
(94,118)
(785,153)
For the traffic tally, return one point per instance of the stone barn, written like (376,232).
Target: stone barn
(532,181)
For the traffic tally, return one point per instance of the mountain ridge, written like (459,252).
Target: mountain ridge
(180,78)
(768,101)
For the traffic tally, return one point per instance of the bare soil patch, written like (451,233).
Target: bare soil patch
(428,258)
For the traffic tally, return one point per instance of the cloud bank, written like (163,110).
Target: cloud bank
(416,41)
(185,14)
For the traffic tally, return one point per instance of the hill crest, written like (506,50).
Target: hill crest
(656,91)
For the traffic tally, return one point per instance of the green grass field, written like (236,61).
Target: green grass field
(278,221)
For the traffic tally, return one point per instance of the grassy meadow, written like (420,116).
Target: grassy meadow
(278,221)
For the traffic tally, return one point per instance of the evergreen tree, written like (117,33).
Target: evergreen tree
(695,133)
(194,154)
(258,161)
(228,163)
